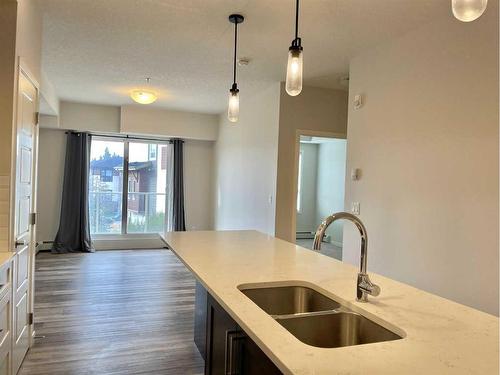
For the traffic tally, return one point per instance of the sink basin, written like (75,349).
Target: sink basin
(336,330)
(315,319)
(285,300)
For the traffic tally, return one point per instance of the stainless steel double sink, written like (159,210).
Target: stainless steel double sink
(316,319)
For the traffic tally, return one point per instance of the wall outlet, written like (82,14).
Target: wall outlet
(355,208)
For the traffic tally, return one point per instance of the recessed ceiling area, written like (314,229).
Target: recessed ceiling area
(98,51)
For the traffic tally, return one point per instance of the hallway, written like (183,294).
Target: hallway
(113,312)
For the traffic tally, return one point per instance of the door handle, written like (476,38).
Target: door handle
(21,243)
(231,367)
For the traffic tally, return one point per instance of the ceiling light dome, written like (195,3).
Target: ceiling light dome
(143,96)
(468,10)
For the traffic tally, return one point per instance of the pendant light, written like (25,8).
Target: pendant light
(468,10)
(295,62)
(233,108)
(144,96)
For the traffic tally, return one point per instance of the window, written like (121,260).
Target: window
(147,195)
(105,187)
(299,185)
(126,197)
(152,151)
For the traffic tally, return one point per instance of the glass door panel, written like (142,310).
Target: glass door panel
(146,187)
(105,186)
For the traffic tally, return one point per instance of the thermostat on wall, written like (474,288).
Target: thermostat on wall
(355,174)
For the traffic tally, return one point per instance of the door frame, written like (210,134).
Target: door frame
(23,69)
(298,134)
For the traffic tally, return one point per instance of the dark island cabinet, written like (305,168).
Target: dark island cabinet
(200,319)
(227,349)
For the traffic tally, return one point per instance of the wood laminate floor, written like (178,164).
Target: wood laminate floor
(113,312)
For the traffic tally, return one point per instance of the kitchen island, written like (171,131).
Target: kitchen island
(438,336)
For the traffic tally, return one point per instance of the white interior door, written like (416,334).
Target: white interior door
(24,197)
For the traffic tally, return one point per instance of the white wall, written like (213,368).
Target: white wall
(246,161)
(89,117)
(49,101)
(142,120)
(52,154)
(198,184)
(29,36)
(306,217)
(331,185)
(20,38)
(8,26)
(427,143)
(52,149)
(315,110)
(136,120)
(198,169)
(20,42)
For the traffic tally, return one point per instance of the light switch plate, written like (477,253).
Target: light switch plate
(355,208)
(358,101)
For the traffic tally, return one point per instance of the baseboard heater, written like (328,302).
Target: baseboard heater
(44,246)
(310,236)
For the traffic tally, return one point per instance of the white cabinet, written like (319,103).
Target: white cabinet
(6,318)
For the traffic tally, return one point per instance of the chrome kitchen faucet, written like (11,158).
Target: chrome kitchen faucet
(364,285)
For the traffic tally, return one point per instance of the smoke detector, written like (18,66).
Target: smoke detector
(243,61)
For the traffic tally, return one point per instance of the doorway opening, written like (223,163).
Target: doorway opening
(320,191)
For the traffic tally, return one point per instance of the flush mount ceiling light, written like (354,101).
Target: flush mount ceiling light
(468,10)
(144,96)
(233,108)
(295,61)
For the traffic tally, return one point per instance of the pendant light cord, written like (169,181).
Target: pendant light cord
(235,46)
(297,20)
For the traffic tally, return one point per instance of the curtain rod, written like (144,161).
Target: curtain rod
(125,136)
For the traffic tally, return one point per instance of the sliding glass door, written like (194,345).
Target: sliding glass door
(106,186)
(127,186)
(147,179)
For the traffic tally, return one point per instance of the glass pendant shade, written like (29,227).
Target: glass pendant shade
(294,72)
(233,108)
(468,10)
(143,96)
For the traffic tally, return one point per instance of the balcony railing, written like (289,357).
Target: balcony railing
(145,212)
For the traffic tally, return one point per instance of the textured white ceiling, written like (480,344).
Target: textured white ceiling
(98,50)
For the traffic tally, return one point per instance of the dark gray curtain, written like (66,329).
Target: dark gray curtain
(74,227)
(179,222)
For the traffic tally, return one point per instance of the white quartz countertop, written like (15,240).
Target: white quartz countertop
(440,336)
(5,256)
